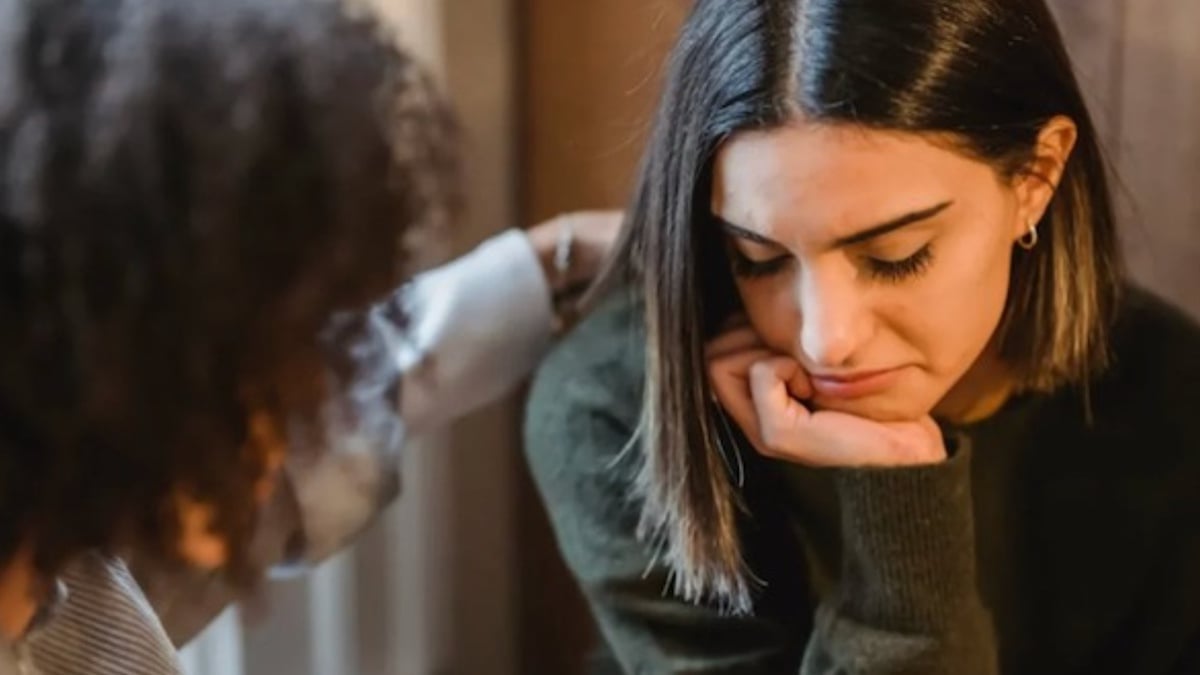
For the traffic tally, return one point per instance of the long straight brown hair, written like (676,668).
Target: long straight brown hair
(990,73)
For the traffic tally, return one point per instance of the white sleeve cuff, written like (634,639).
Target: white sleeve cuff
(478,326)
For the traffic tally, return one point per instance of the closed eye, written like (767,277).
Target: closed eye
(890,271)
(749,268)
(896,271)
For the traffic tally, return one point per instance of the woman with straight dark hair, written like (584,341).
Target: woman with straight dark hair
(870,392)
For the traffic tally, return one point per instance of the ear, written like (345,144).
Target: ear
(1037,182)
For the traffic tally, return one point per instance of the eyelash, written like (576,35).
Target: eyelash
(754,269)
(896,271)
(888,271)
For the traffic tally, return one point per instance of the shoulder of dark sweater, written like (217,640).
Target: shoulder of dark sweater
(592,378)
(1154,341)
(580,421)
(601,359)
(1144,407)
(1155,371)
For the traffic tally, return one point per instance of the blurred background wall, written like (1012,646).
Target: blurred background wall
(462,576)
(1139,63)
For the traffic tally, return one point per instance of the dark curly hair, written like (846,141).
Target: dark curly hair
(189,191)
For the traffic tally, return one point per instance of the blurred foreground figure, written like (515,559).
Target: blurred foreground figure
(204,210)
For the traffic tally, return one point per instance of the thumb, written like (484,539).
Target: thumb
(799,386)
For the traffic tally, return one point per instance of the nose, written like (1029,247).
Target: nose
(834,321)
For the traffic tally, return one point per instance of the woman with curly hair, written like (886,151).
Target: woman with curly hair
(204,211)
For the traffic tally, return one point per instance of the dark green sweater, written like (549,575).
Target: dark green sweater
(1044,545)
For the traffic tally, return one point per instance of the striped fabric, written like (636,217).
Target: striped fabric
(104,626)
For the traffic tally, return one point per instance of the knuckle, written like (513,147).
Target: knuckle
(759,370)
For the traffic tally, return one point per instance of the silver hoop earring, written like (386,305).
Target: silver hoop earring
(1029,240)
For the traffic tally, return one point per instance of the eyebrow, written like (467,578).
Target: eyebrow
(850,239)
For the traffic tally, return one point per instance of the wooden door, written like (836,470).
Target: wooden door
(589,71)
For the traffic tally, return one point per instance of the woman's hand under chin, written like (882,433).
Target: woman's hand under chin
(764,392)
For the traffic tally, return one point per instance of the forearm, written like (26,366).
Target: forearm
(907,601)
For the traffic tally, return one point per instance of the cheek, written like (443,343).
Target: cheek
(772,310)
(962,303)
(197,544)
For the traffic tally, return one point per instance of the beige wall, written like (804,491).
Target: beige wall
(1140,63)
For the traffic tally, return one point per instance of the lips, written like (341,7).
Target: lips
(854,385)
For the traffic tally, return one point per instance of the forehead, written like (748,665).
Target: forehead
(837,177)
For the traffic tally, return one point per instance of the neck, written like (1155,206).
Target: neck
(980,393)
(18,595)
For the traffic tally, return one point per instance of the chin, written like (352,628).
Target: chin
(890,406)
